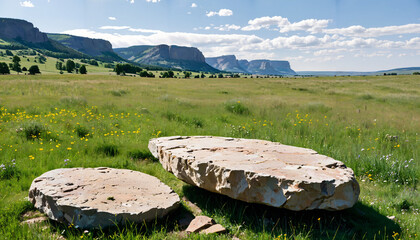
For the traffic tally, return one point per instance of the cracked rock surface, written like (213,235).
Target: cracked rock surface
(259,171)
(101,197)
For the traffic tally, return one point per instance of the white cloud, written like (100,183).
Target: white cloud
(131,1)
(112,18)
(360,31)
(222,13)
(153,1)
(227,27)
(142,30)
(324,48)
(204,42)
(326,52)
(284,25)
(28,4)
(194,5)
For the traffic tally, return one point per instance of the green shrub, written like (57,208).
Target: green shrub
(32,130)
(81,131)
(141,155)
(237,108)
(110,150)
(196,122)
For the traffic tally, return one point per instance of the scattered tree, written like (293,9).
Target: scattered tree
(416,73)
(168,74)
(127,68)
(70,66)
(144,73)
(59,66)
(202,75)
(16,64)
(82,69)
(93,62)
(42,59)
(4,69)
(220,75)
(187,74)
(24,69)
(9,53)
(34,69)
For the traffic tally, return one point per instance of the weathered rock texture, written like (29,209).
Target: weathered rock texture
(101,197)
(258,171)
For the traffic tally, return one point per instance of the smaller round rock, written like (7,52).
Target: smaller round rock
(101,197)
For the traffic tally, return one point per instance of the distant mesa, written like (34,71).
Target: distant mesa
(179,57)
(229,63)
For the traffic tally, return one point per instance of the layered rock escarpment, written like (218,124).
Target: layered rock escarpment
(258,171)
(227,63)
(267,67)
(21,30)
(101,197)
(183,58)
(89,46)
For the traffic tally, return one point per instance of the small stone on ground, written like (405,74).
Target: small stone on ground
(217,228)
(199,223)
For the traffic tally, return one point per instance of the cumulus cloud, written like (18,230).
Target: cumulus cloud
(222,13)
(194,5)
(153,1)
(284,25)
(360,31)
(112,18)
(27,4)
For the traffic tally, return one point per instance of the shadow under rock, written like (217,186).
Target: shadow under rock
(358,222)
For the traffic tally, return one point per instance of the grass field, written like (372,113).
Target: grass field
(49,66)
(372,124)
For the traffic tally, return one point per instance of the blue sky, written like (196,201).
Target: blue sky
(351,35)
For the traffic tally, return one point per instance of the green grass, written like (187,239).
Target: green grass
(369,123)
(49,66)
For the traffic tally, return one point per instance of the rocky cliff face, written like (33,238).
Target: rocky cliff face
(21,30)
(267,67)
(227,63)
(89,46)
(184,58)
(166,52)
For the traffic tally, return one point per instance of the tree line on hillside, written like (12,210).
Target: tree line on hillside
(71,66)
(15,66)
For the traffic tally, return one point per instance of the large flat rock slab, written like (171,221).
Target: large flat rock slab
(259,171)
(101,197)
